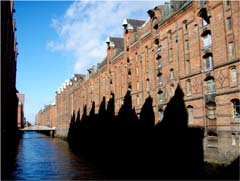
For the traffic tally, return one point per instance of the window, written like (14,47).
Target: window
(204,22)
(211,112)
(161,97)
(236,108)
(189,92)
(228,3)
(202,3)
(231,50)
(138,100)
(137,73)
(171,74)
(208,63)
(155,23)
(186,46)
(233,77)
(229,24)
(210,86)
(187,67)
(185,27)
(161,115)
(170,36)
(138,86)
(172,89)
(170,54)
(148,86)
(233,139)
(160,79)
(207,40)
(190,114)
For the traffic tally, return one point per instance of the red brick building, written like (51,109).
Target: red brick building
(9,100)
(46,116)
(191,43)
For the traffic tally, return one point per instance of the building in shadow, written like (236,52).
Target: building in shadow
(9,100)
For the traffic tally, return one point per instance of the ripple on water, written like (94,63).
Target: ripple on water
(43,158)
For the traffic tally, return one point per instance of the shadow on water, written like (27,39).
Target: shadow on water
(128,147)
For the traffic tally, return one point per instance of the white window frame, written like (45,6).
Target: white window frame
(233,75)
(229,24)
(231,50)
(190,115)
(204,22)
(207,40)
(208,63)
(210,86)
(189,87)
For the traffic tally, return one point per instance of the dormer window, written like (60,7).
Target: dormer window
(151,13)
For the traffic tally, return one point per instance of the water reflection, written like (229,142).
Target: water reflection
(41,157)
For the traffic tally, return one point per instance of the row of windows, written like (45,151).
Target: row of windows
(211,111)
(210,84)
(207,42)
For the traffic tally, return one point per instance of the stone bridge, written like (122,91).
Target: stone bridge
(43,129)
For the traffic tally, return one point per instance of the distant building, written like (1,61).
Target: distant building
(21,118)
(46,116)
(191,43)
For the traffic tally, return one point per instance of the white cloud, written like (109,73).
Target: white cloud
(84,27)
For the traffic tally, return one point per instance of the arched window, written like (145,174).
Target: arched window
(210,84)
(233,76)
(207,39)
(185,26)
(208,61)
(171,74)
(231,50)
(189,87)
(190,114)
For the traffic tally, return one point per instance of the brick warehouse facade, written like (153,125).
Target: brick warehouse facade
(192,43)
(46,116)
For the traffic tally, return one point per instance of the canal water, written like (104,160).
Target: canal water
(40,157)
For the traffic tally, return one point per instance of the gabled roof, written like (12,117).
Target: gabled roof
(102,64)
(133,23)
(115,41)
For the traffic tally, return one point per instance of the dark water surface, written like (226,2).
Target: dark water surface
(40,157)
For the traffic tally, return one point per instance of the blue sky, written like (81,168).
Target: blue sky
(59,38)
